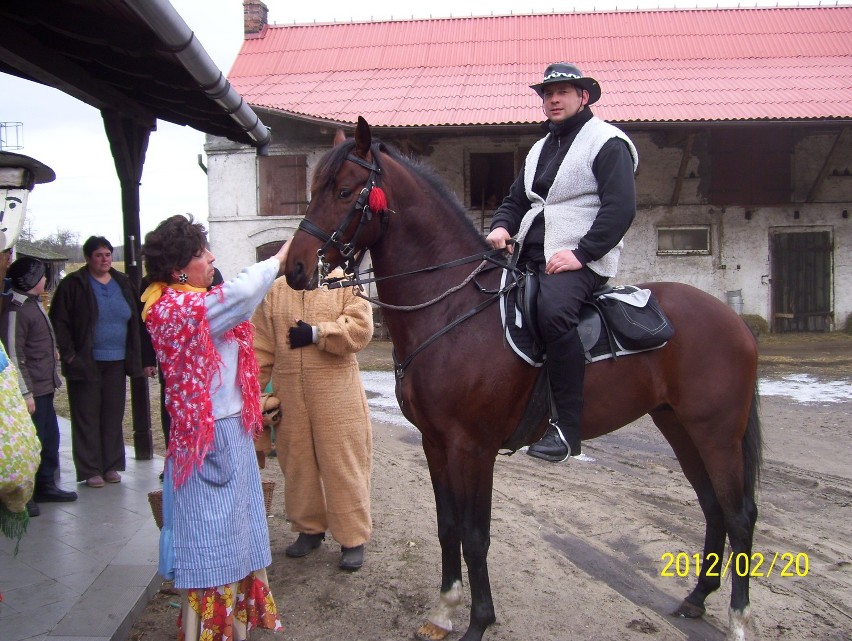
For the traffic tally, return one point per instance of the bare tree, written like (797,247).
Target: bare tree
(27,230)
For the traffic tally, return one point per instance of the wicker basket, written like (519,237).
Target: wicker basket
(155,498)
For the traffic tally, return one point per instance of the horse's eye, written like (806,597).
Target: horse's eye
(344,194)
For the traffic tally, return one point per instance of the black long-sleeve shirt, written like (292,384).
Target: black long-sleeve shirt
(613,171)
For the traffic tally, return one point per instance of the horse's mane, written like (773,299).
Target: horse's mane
(330,164)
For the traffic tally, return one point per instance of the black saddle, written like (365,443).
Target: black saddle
(609,327)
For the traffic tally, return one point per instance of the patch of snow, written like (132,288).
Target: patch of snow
(803,388)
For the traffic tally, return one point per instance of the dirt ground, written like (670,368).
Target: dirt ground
(579,550)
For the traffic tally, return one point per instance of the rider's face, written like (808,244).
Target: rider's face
(562,100)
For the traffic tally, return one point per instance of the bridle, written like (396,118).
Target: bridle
(351,256)
(352,260)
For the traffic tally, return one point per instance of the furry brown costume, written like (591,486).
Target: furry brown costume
(324,440)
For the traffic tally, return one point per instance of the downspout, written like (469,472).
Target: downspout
(173,31)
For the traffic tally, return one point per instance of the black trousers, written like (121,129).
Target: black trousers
(560,297)
(97,414)
(47,428)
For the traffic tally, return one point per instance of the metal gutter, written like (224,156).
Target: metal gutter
(172,30)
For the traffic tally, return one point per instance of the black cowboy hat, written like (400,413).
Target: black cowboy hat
(565,72)
(39,172)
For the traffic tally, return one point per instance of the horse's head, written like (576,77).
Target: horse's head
(346,212)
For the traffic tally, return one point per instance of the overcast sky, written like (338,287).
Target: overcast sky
(68,135)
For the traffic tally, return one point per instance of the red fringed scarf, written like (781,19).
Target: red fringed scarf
(181,336)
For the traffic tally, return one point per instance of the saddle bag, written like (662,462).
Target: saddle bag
(635,326)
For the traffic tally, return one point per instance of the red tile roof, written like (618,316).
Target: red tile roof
(670,66)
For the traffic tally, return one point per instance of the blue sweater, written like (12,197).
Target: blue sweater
(111,328)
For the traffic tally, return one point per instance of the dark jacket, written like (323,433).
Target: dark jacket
(74,312)
(28,337)
(613,170)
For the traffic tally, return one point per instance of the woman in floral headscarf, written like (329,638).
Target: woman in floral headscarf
(214,541)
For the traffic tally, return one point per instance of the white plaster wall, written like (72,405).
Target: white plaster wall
(740,251)
(235,228)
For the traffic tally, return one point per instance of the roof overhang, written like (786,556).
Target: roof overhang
(134,57)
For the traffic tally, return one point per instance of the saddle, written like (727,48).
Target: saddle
(616,322)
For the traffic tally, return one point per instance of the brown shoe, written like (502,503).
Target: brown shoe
(95,481)
(112,477)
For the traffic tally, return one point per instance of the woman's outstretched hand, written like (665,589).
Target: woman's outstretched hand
(282,255)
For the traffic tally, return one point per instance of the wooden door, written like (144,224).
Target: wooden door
(801,282)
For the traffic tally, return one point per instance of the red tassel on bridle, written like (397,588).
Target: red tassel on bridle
(377,200)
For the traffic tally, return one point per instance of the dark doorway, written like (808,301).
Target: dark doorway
(801,281)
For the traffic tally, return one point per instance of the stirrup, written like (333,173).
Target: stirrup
(561,438)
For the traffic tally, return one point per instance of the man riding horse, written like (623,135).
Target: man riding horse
(569,208)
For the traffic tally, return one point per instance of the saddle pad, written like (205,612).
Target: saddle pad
(520,339)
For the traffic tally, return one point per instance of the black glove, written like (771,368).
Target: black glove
(300,335)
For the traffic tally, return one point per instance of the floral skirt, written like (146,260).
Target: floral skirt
(228,612)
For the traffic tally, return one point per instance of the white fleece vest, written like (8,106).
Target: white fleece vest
(573,203)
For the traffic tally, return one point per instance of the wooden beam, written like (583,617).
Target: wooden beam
(128,140)
(684,162)
(820,179)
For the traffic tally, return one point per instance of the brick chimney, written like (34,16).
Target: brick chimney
(255,14)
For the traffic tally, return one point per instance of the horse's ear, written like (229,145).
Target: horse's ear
(339,137)
(363,138)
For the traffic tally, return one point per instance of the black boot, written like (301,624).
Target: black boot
(566,366)
(552,446)
(304,545)
(351,559)
(49,493)
(32,508)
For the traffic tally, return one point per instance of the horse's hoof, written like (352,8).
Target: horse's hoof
(688,610)
(430,632)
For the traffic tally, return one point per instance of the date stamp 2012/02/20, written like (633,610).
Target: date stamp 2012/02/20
(756,564)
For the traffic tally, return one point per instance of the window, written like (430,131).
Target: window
(751,166)
(491,175)
(282,184)
(267,250)
(687,241)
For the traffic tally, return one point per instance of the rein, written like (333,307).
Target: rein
(494,296)
(357,281)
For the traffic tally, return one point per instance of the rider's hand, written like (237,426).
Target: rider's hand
(563,261)
(498,237)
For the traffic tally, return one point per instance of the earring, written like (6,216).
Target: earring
(183,278)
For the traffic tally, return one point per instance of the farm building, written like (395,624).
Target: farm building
(741,118)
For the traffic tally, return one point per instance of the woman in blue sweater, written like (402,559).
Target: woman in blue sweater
(94,317)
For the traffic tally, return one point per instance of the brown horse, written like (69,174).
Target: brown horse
(466,392)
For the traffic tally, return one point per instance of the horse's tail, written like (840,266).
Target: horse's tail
(753,446)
